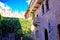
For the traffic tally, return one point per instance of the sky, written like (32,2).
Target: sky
(20,5)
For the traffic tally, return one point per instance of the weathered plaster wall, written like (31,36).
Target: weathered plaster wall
(52,16)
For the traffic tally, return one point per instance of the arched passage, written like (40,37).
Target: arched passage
(46,34)
(58,26)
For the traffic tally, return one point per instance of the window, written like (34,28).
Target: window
(58,26)
(37,15)
(47,5)
(43,8)
(46,34)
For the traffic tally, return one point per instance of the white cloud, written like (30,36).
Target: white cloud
(28,1)
(2,5)
(7,7)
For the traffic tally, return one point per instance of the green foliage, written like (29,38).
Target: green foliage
(11,23)
(20,26)
(1,18)
(26,25)
(32,15)
(27,36)
(0,25)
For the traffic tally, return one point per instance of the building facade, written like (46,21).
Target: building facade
(8,36)
(47,19)
(8,13)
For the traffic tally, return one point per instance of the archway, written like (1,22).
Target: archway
(58,26)
(46,34)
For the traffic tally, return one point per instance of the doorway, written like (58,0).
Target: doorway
(58,26)
(46,34)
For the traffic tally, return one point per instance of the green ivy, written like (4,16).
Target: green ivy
(20,25)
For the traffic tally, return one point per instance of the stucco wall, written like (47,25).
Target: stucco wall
(52,17)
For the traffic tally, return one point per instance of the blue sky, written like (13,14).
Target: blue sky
(20,5)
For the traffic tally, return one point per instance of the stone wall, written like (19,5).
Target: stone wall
(8,36)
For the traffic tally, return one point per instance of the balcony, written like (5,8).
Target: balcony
(36,5)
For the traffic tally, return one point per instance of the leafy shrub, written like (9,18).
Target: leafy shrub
(20,26)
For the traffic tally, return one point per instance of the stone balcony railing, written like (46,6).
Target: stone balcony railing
(34,5)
